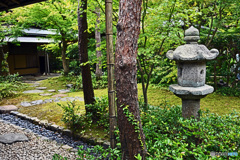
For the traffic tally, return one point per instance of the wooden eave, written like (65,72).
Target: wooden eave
(10,4)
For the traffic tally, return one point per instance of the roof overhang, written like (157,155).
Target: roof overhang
(29,40)
(10,4)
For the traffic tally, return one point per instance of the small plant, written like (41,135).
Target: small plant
(9,85)
(73,120)
(102,83)
(100,115)
(227,91)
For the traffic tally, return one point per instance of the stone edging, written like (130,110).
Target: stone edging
(59,129)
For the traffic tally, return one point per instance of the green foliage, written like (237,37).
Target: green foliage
(9,85)
(229,91)
(169,136)
(10,78)
(102,83)
(100,108)
(98,153)
(58,157)
(72,119)
(165,74)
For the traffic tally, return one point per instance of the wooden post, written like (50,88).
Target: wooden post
(110,65)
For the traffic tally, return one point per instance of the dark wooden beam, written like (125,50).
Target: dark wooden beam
(4,7)
(3,4)
(15,1)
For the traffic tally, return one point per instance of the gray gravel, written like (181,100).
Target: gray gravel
(35,149)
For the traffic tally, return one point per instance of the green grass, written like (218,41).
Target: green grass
(53,113)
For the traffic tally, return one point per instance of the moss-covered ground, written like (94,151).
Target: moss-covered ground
(156,96)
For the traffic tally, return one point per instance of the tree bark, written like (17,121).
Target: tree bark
(128,29)
(83,55)
(64,59)
(98,45)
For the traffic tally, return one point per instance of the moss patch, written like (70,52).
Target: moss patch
(156,96)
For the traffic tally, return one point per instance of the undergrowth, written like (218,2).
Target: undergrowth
(169,136)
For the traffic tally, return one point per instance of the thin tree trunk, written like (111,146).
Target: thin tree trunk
(110,64)
(215,76)
(128,27)
(98,45)
(83,55)
(64,60)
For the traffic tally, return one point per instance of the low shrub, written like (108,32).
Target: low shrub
(169,136)
(10,78)
(227,91)
(72,119)
(9,85)
(98,84)
(100,115)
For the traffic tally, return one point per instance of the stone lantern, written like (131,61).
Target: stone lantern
(191,62)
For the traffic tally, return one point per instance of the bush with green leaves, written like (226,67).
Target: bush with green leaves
(100,115)
(102,83)
(9,85)
(227,91)
(72,118)
(169,136)
(95,153)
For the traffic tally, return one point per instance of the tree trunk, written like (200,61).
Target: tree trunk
(64,60)
(83,55)
(4,68)
(98,45)
(110,66)
(128,27)
(215,77)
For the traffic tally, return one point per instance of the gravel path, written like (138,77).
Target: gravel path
(35,149)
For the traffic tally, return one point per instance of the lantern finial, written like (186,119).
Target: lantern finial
(192,35)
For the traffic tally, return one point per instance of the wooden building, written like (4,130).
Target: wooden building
(26,58)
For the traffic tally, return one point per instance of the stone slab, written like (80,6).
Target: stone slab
(51,90)
(37,102)
(41,88)
(33,91)
(59,95)
(63,90)
(26,104)
(48,100)
(191,91)
(46,94)
(8,108)
(69,85)
(13,137)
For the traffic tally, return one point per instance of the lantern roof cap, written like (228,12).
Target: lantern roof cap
(192,51)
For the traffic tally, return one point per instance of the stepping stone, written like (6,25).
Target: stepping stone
(71,99)
(13,137)
(36,84)
(46,94)
(67,147)
(41,88)
(33,91)
(79,98)
(37,102)
(63,99)
(26,104)
(8,108)
(59,95)
(51,90)
(63,90)
(69,85)
(48,100)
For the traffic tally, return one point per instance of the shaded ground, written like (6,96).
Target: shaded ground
(157,96)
